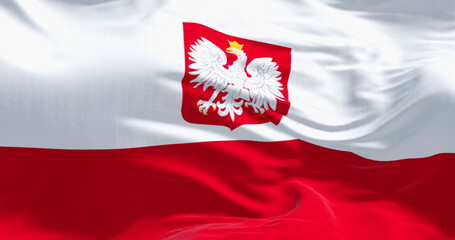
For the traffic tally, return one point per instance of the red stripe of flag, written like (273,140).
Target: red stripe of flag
(223,190)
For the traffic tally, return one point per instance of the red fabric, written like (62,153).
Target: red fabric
(223,190)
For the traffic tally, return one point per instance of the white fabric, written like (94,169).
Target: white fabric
(372,77)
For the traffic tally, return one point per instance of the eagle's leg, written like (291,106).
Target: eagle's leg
(205,105)
(256,108)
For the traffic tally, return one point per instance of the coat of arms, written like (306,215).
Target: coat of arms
(232,81)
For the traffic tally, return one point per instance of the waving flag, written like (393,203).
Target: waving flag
(312,119)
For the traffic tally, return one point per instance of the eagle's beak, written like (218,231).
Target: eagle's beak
(232,51)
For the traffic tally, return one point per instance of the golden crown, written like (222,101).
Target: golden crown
(235,45)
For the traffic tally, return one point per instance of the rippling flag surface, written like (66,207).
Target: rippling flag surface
(134,119)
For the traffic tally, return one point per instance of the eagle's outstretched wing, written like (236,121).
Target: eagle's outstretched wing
(208,65)
(264,84)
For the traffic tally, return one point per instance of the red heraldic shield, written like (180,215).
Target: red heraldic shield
(231,81)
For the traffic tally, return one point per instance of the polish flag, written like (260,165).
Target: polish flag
(315,119)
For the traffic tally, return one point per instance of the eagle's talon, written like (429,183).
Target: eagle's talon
(256,108)
(204,106)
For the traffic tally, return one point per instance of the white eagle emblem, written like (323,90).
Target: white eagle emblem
(260,91)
